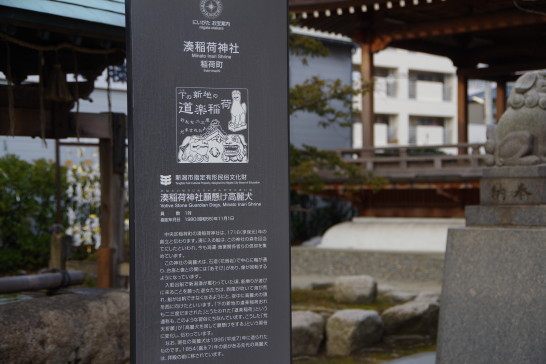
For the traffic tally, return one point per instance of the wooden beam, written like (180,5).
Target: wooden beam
(301,6)
(527,52)
(90,125)
(27,96)
(501,53)
(509,77)
(27,123)
(468,24)
(495,71)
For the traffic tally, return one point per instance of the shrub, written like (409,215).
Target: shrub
(27,212)
(312,215)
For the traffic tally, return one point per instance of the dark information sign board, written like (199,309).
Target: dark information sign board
(210,278)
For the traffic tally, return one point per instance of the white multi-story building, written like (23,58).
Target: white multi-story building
(415,100)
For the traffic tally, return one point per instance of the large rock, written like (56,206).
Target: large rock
(348,331)
(432,297)
(399,296)
(414,317)
(69,328)
(307,332)
(355,289)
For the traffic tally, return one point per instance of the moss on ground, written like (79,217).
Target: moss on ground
(324,298)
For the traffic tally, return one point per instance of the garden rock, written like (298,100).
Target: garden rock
(414,317)
(348,331)
(355,289)
(400,296)
(433,297)
(68,328)
(322,285)
(307,332)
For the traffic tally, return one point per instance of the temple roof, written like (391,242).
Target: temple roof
(110,12)
(500,35)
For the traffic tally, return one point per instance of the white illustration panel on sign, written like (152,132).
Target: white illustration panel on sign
(238,112)
(212,125)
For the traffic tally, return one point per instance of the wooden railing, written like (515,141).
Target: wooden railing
(465,160)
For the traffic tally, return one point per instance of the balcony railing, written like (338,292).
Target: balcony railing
(449,160)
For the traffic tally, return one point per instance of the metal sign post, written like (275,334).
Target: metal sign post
(210,279)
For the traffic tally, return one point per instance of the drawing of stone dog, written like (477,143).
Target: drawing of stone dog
(235,148)
(238,112)
(193,149)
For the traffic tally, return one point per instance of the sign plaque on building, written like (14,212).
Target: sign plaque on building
(210,280)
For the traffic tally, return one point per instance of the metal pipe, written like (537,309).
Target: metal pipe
(35,282)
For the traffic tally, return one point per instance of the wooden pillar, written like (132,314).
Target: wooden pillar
(105,267)
(367,115)
(462,110)
(56,260)
(57,254)
(112,163)
(501,99)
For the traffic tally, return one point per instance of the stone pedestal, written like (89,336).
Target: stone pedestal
(493,304)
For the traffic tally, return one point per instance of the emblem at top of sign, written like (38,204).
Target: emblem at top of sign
(211,8)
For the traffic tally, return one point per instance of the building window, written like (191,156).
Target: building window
(385,130)
(426,130)
(385,81)
(430,86)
